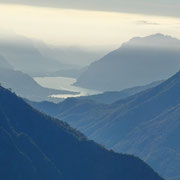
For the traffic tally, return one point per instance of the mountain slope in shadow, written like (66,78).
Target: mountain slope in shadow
(146,124)
(36,146)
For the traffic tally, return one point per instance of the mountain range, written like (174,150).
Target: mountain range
(146,124)
(137,62)
(74,56)
(23,85)
(4,64)
(112,96)
(23,55)
(36,146)
(53,108)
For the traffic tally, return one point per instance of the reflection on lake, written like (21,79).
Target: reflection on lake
(63,83)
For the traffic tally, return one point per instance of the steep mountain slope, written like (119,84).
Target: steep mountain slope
(135,63)
(35,146)
(146,124)
(155,140)
(25,86)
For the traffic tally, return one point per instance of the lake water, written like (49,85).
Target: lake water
(63,83)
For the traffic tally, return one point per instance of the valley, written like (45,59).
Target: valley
(89,90)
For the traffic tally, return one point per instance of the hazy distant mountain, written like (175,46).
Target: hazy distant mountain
(4,64)
(106,98)
(146,124)
(69,72)
(135,63)
(73,56)
(21,53)
(24,86)
(111,97)
(35,146)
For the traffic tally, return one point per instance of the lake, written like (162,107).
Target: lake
(63,83)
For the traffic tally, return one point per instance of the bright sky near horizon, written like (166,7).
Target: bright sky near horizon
(73,27)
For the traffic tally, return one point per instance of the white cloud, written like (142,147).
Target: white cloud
(143,22)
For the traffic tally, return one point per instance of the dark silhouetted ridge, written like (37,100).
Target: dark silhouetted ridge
(36,146)
(146,124)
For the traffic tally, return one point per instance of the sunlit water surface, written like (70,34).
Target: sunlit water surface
(63,83)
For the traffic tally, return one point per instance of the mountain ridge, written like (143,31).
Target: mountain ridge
(22,54)
(27,87)
(134,125)
(140,62)
(55,150)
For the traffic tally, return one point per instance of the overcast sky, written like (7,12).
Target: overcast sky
(89,22)
(155,7)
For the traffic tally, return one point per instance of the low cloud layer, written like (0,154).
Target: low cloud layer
(143,22)
(156,7)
